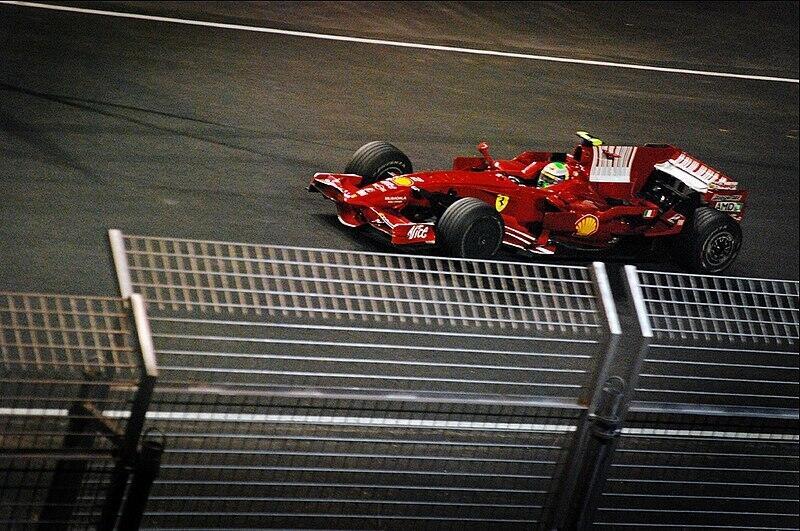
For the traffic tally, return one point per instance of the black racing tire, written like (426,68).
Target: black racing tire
(470,228)
(376,161)
(709,242)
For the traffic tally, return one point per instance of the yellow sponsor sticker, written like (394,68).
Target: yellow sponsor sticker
(587,225)
(402,181)
(501,202)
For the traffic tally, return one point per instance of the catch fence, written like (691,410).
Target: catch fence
(330,389)
(712,435)
(76,374)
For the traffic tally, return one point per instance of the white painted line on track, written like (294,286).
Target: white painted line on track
(398,44)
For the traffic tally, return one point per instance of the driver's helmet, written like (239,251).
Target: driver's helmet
(553,173)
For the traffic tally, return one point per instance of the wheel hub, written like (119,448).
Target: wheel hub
(720,248)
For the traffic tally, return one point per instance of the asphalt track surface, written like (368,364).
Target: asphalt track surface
(186,131)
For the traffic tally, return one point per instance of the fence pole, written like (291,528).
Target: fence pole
(130,445)
(581,458)
(120,260)
(147,468)
(608,418)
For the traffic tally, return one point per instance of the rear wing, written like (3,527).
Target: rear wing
(719,191)
(696,174)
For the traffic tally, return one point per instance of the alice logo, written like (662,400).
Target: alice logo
(501,202)
(417,232)
(587,225)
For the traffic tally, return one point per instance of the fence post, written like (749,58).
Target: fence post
(147,468)
(120,261)
(130,444)
(598,429)
(608,421)
(571,488)
(593,456)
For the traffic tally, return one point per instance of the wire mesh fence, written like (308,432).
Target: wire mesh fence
(224,277)
(712,435)
(718,341)
(725,309)
(268,317)
(70,369)
(362,389)
(319,388)
(255,461)
(707,477)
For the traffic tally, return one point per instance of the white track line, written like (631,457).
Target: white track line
(398,44)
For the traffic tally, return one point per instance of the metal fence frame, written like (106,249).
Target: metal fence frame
(617,407)
(156,271)
(35,336)
(679,396)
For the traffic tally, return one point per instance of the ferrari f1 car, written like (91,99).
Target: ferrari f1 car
(541,202)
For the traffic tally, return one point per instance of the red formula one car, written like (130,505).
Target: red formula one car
(541,202)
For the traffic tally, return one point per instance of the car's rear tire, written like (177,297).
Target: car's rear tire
(709,242)
(378,160)
(470,228)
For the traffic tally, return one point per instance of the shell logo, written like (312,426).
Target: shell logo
(402,181)
(587,225)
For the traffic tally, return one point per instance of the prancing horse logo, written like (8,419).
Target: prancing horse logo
(501,202)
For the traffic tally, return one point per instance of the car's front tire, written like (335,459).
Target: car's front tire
(376,161)
(470,228)
(710,241)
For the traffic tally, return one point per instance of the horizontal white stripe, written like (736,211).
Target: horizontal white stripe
(399,44)
(308,419)
(527,238)
(197,416)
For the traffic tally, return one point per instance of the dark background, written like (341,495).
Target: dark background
(173,130)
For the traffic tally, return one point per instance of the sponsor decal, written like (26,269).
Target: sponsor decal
(418,179)
(362,192)
(729,206)
(390,185)
(379,186)
(587,225)
(395,198)
(726,197)
(417,232)
(402,181)
(649,213)
(501,202)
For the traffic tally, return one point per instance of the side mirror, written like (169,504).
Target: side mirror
(483,148)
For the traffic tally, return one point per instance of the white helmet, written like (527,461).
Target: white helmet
(553,173)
